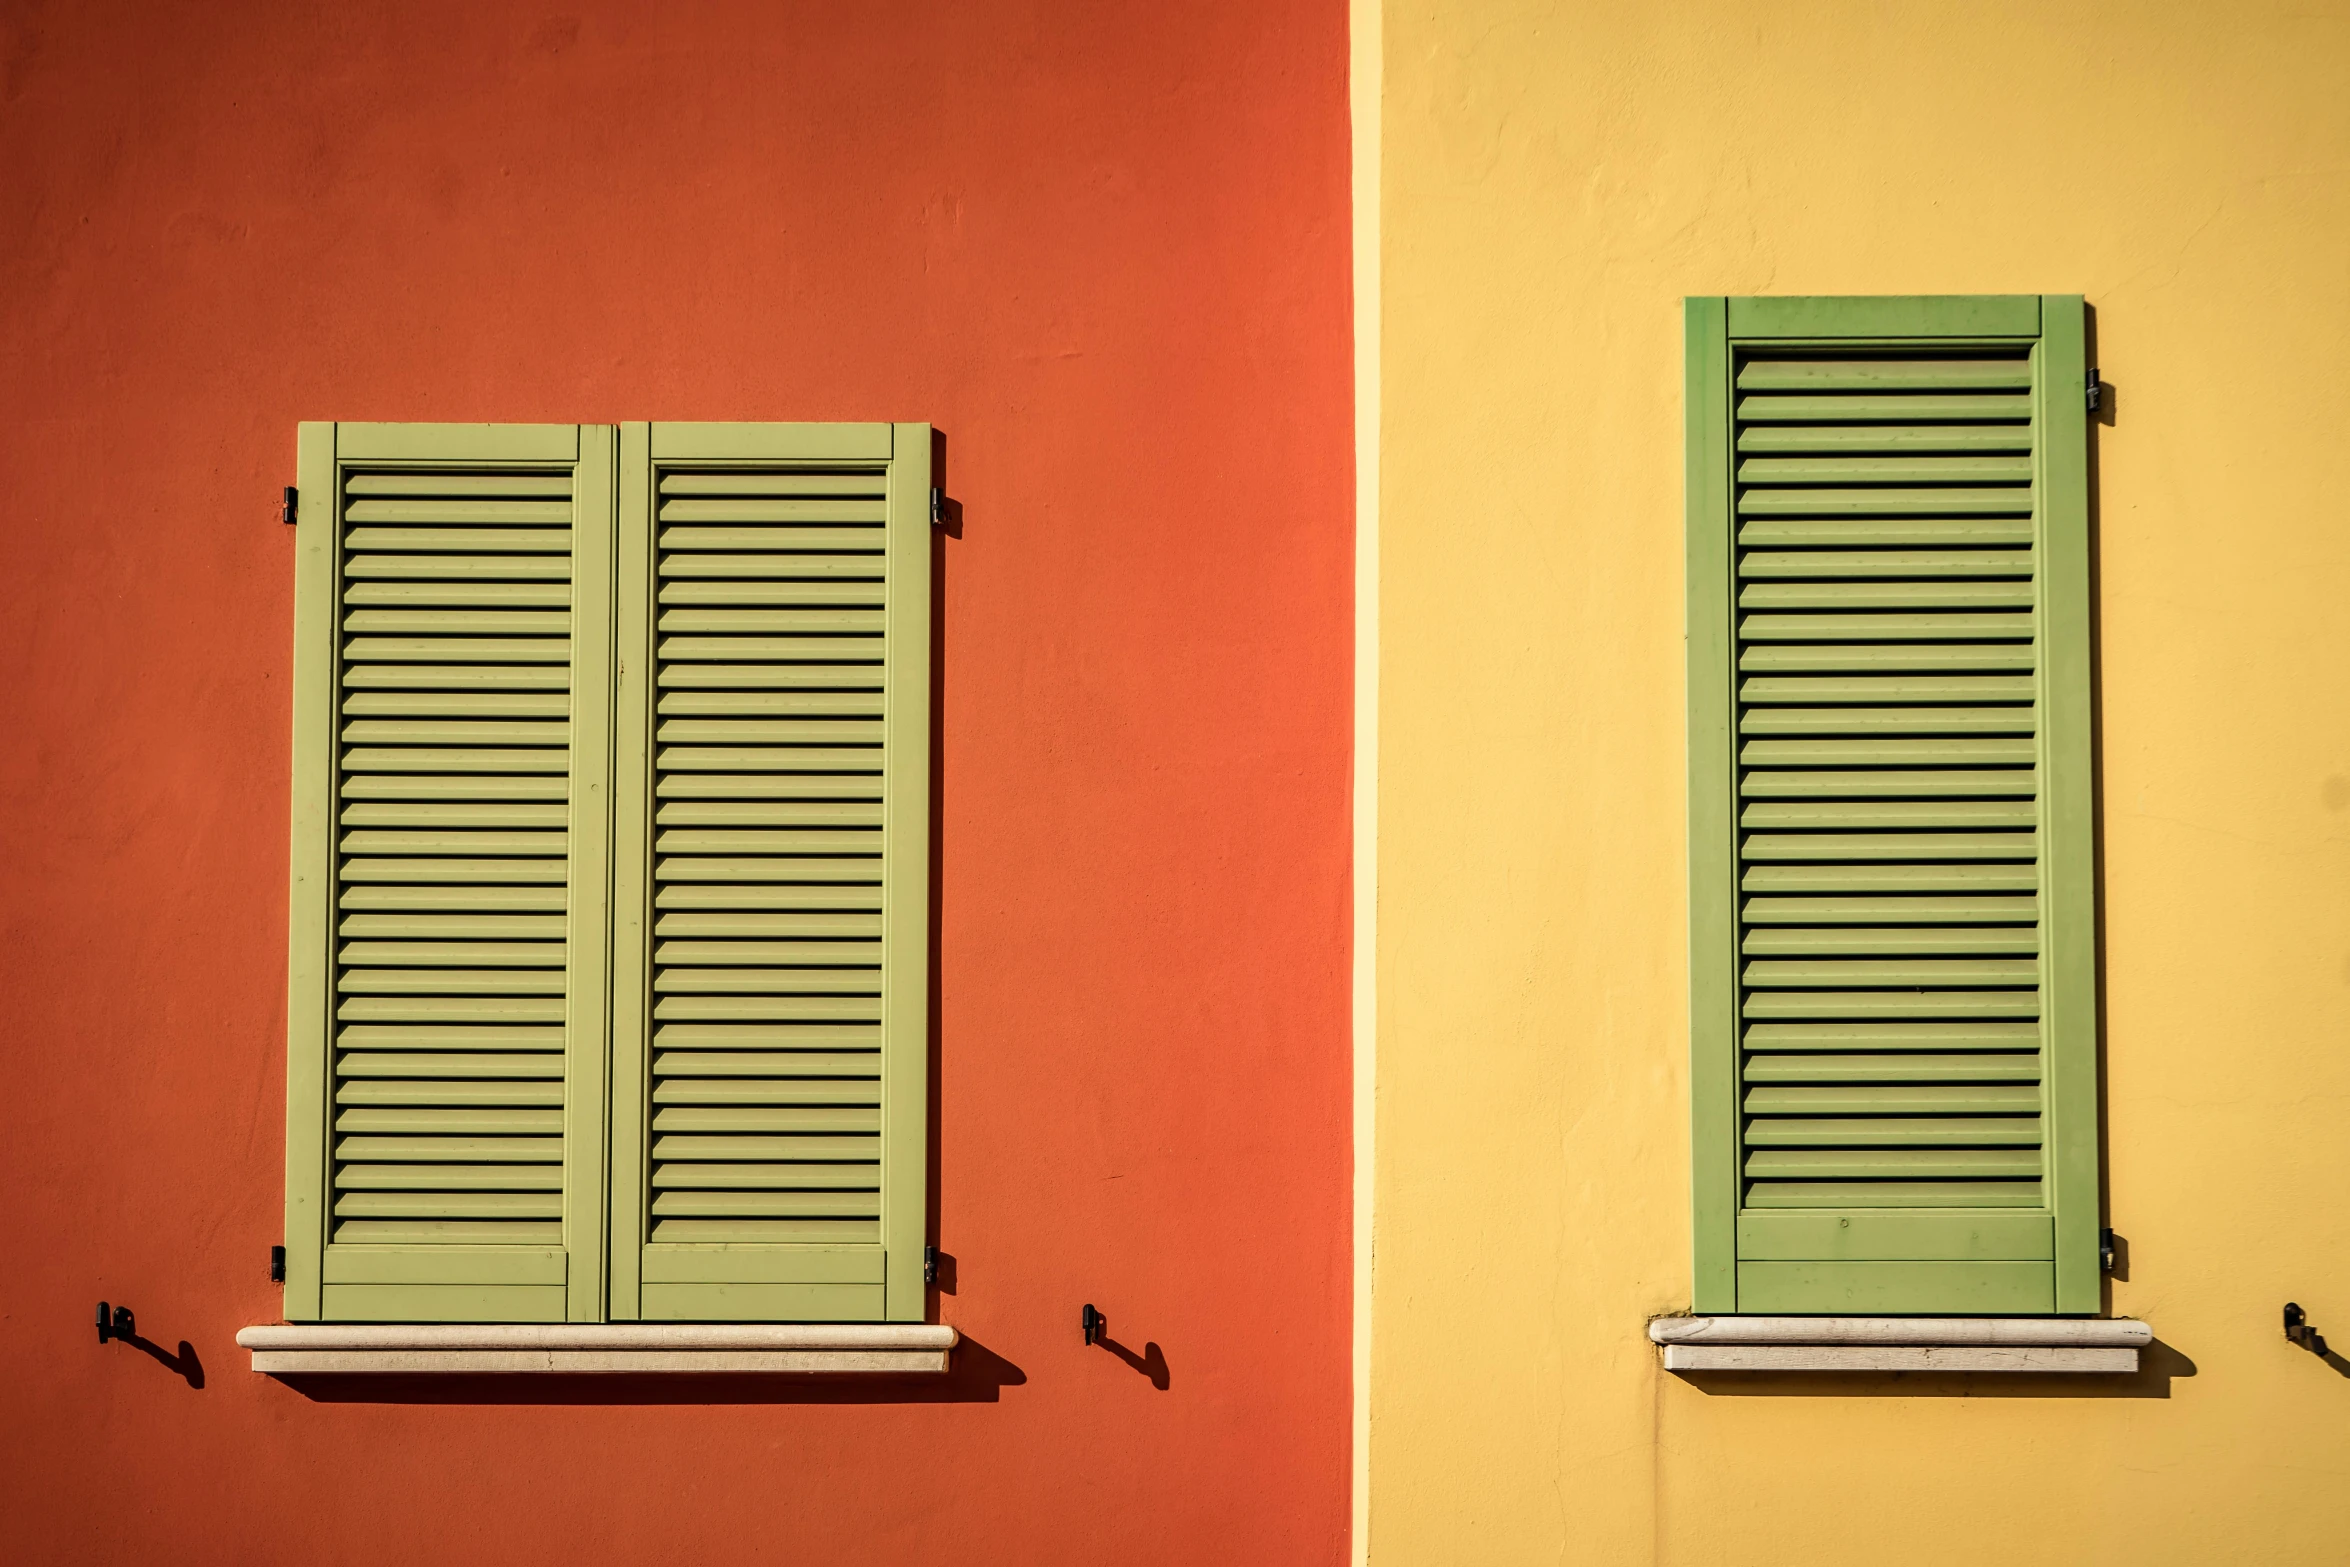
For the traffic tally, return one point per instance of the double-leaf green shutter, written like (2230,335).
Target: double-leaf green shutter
(609,974)
(1892,896)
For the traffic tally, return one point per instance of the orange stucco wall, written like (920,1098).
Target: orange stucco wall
(1104,249)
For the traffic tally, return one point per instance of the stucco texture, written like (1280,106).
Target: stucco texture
(1104,250)
(1556,179)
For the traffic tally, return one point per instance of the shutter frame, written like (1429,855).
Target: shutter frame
(749,1280)
(1941,1273)
(1883,315)
(421,1280)
(1713,862)
(2068,869)
(597,1272)
(632,951)
(310,897)
(906,1003)
(587,1096)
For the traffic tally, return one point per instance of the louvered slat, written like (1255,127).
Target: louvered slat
(769,692)
(1889,817)
(453,729)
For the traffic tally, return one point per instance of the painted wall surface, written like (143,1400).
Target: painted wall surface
(1556,178)
(1105,251)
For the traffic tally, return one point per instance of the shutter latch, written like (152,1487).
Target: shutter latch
(2297,1329)
(293,501)
(2096,389)
(1094,1325)
(117,1322)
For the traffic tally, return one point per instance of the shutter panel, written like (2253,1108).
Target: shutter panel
(446,1101)
(774,873)
(1890,742)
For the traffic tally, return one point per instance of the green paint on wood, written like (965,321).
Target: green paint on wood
(2067,864)
(586,1168)
(1911,872)
(310,910)
(1885,316)
(756,1302)
(905,1023)
(1857,1235)
(772,893)
(447,1031)
(632,849)
(445,1303)
(1895,1289)
(1713,941)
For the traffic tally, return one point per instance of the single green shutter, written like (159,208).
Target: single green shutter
(772,875)
(445,1103)
(1892,899)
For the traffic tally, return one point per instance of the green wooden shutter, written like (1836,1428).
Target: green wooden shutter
(1892,899)
(772,891)
(445,1103)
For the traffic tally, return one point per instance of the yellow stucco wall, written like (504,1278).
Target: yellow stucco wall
(1556,178)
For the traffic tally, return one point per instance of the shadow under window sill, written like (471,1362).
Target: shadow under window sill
(631,1348)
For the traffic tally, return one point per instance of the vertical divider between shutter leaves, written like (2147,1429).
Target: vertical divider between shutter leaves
(632,727)
(1712,848)
(310,914)
(586,1161)
(2068,865)
(906,879)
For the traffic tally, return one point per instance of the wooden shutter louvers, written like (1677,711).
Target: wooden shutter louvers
(452,879)
(1888,817)
(768,853)
(1873,760)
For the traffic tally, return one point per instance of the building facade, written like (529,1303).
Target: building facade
(1104,256)
(1501,692)
(1551,187)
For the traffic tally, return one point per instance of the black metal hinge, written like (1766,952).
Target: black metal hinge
(930,1264)
(938,506)
(2105,1250)
(115,1323)
(277,1264)
(293,503)
(2096,389)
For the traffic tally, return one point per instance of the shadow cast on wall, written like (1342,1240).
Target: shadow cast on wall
(1152,1362)
(2158,1364)
(184,1364)
(975,1375)
(948,520)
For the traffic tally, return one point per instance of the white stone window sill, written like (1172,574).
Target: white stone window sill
(1900,1343)
(321,1349)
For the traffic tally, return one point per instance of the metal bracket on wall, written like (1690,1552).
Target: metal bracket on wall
(1095,1326)
(293,502)
(115,1322)
(2297,1329)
